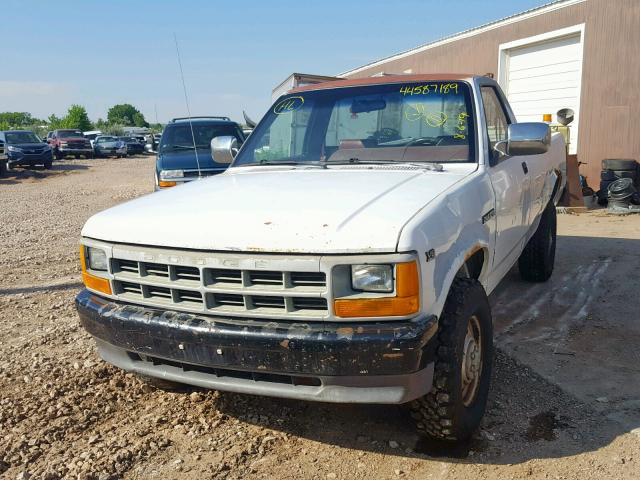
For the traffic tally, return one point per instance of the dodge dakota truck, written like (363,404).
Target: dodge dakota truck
(345,256)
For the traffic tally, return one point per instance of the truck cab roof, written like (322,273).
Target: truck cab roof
(358,82)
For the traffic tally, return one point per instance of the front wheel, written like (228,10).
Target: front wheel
(59,155)
(454,407)
(538,257)
(48,164)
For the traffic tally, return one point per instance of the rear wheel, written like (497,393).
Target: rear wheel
(538,257)
(454,407)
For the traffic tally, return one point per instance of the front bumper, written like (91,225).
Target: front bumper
(29,159)
(108,152)
(372,362)
(76,151)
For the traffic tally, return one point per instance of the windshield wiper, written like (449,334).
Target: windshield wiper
(429,165)
(359,161)
(278,162)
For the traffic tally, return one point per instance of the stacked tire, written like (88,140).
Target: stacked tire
(614,169)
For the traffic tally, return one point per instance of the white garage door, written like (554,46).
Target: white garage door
(545,77)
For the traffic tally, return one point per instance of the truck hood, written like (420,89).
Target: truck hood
(272,209)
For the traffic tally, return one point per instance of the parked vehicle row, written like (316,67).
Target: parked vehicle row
(24,148)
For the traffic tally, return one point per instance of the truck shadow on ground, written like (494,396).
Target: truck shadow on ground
(579,330)
(527,418)
(32,174)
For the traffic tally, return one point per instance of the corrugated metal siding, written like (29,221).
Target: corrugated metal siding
(610,71)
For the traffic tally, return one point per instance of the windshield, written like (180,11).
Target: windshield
(22,137)
(178,137)
(70,133)
(106,139)
(402,122)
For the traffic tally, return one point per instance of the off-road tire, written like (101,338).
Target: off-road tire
(441,414)
(538,257)
(619,164)
(162,384)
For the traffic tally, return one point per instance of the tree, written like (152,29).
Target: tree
(77,118)
(55,122)
(127,115)
(18,119)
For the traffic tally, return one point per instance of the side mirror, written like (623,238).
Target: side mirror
(224,149)
(528,138)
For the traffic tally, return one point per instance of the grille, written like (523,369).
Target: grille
(204,172)
(230,291)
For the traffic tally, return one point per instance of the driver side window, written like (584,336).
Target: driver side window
(496,119)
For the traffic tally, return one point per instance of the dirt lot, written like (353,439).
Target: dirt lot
(564,403)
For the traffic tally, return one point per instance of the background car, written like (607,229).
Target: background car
(65,142)
(23,147)
(133,145)
(3,160)
(91,135)
(152,142)
(176,162)
(108,146)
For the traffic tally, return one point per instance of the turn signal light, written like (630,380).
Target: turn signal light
(91,281)
(406,301)
(166,184)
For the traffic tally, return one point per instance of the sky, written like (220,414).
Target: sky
(98,54)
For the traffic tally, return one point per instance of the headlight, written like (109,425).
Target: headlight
(97,259)
(372,278)
(13,149)
(165,174)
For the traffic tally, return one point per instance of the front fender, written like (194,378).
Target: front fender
(454,226)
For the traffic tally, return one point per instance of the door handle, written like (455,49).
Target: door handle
(525,169)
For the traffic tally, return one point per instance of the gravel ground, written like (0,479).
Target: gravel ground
(66,414)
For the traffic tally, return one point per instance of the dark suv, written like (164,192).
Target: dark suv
(177,163)
(23,147)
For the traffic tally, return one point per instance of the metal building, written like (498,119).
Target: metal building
(578,54)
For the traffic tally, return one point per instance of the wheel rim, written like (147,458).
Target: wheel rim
(471,361)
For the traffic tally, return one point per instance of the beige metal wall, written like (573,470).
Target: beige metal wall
(610,96)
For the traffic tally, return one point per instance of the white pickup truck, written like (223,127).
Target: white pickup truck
(345,256)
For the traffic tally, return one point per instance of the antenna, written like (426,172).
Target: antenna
(186,101)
